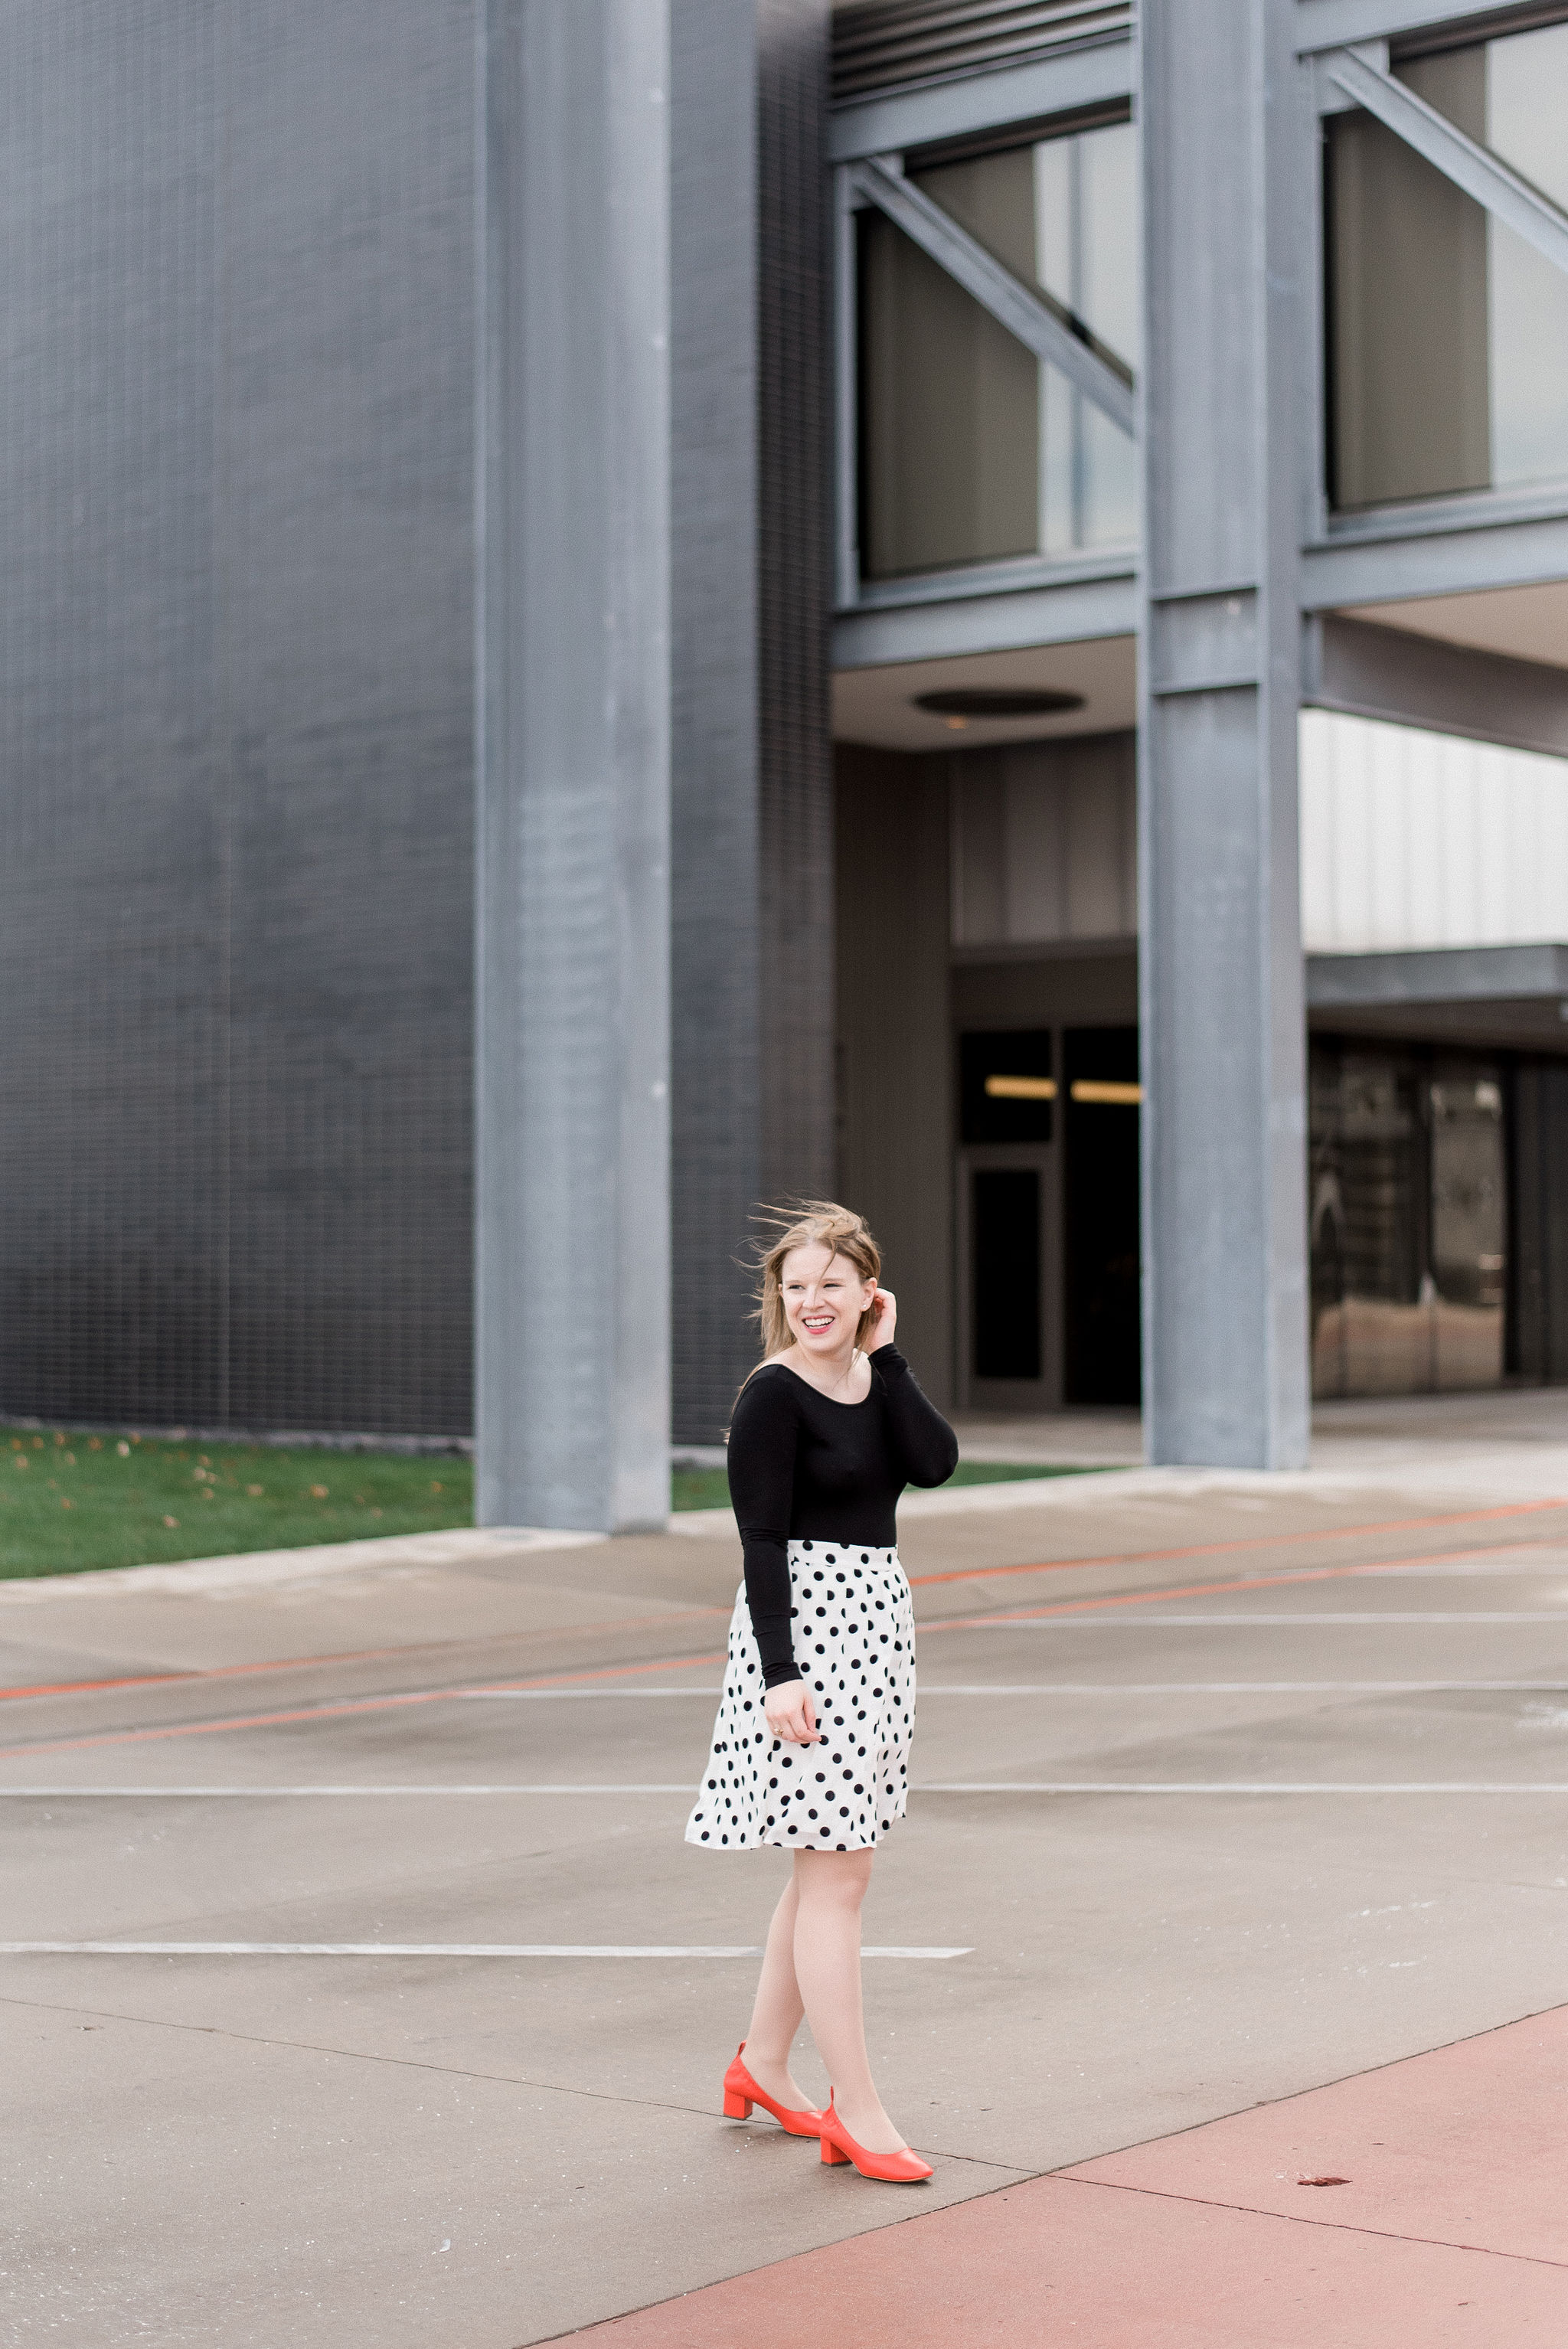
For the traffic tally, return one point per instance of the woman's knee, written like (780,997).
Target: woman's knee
(832,1879)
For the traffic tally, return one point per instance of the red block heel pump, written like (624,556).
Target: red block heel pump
(742,2092)
(903,2169)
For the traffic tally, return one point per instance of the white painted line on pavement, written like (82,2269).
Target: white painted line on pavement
(417,1949)
(933,1787)
(1106,1688)
(1231,1786)
(1102,1688)
(554,1695)
(686,1787)
(1238,1688)
(1134,1619)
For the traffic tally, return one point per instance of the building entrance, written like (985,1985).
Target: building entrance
(1048,1217)
(1007,1212)
(1103,1332)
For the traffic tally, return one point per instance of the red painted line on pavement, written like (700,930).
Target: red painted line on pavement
(1217,1589)
(199,1673)
(333,1712)
(600,1672)
(196,1673)
(678,1663)
(1258,1541)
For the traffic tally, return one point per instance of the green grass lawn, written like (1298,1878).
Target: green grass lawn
(70,1501)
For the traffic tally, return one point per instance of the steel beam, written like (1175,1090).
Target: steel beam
(1337,982)
(1010,301)
(572,1061)
(1481,174)
(1101,76)
(1070,613)
(1389,672)
(1321,25)
(1224,124)
(1450,547)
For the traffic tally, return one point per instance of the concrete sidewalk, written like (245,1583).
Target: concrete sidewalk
(360,1992)
(1422,2203)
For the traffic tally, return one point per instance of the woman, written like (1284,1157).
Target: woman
(810,1749)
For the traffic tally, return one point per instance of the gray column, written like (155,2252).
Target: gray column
(753,861)
(572,1245)
(1224,1223)
(794,573)
(715,1068)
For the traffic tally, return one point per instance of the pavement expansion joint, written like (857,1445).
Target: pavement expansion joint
(1300,2219)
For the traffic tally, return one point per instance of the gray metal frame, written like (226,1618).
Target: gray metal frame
(1481,174)
(1240,549)
(846,393)
(1443,545)
(1222,1017)
(868,141)
(1024,313)
(1101,75)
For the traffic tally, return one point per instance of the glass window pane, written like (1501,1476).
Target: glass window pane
(1449,335)
(971,450)
(1527,125)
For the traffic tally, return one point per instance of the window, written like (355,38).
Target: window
(1409,1241)
(1447,334)
(972,449)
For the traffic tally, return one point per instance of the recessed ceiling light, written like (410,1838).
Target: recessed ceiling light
(998,701)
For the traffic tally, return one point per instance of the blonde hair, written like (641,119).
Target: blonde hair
(808,1222)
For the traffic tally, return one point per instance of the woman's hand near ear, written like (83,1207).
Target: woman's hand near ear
(884,1305)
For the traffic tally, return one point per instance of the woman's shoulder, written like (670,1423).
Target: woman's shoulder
(772,1387)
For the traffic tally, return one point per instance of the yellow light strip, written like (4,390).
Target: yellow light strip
(1093,1089)
(1021,1088)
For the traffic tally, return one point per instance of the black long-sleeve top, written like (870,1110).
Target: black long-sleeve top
(804,1468)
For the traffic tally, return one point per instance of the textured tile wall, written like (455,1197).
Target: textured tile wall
(235,710)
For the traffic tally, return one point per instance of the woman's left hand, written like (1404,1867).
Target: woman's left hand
(884,1305)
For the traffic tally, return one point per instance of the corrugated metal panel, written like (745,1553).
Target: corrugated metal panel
(1045,842)
(880,44)
(236,729)
(1410,839)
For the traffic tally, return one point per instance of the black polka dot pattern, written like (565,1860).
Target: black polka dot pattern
(853,1627)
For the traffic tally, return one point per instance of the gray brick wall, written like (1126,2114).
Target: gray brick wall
(235,694)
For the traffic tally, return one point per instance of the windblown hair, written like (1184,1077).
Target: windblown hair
(808,1223)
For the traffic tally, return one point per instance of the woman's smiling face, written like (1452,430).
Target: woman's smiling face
(824,1297)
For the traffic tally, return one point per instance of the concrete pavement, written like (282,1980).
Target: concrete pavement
(1225,1792)
(1244,2234)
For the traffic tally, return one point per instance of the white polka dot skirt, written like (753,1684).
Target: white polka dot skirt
(853,1626)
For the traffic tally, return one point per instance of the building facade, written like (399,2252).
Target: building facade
(622,607)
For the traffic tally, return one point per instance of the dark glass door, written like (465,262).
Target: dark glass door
(1007,1096)
(1005,1319)
(1104,1335)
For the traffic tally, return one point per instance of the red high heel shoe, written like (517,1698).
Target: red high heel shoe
(742,2092)
(903,2169)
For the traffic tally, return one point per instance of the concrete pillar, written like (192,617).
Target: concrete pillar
(753,863)
(1224,1219)
(717,1075)
(573,1052)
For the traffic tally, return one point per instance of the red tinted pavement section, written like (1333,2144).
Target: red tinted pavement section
(1452,2229)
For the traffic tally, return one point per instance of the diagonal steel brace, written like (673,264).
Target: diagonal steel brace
(1476,169)
(1009,301)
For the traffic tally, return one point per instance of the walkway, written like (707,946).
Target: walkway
(359,1989)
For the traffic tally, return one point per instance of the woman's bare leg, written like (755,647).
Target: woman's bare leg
(829,1888)
(780,2010)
